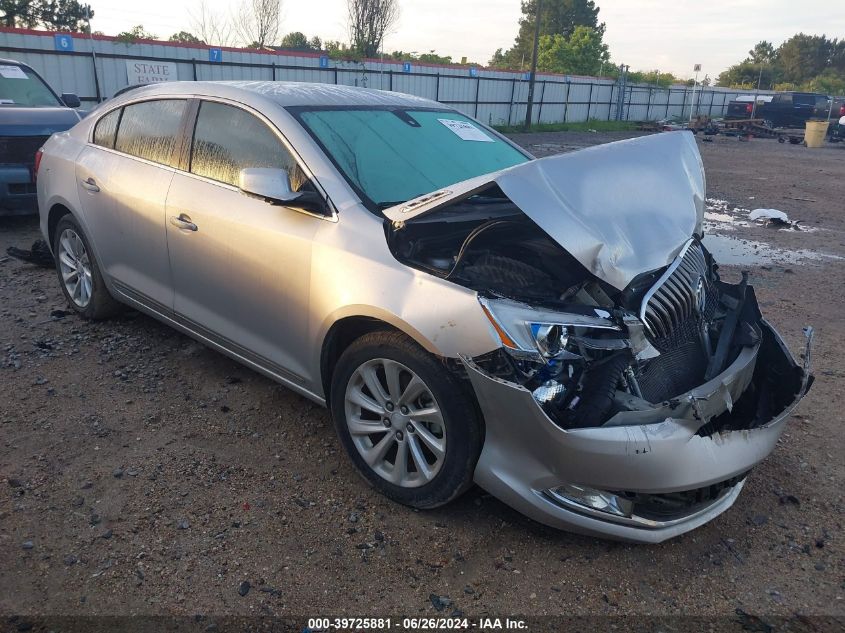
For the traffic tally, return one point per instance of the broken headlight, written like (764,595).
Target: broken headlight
(530,333)
(572,362)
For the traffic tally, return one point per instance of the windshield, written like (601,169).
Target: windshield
(20,86)
(390,155)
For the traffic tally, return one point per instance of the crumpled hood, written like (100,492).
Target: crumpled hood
(621,209)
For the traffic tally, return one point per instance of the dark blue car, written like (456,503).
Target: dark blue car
(29,113)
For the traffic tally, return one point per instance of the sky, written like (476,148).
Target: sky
(645,34)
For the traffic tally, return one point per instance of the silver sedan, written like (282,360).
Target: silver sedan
(552,330)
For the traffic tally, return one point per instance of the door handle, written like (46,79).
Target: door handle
(91,185)
(183,222)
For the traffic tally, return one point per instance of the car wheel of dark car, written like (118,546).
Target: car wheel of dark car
(407,424)
(79,273)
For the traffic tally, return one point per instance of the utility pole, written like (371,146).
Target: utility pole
(757,94)
(88,17)
(697,69)
(533,76)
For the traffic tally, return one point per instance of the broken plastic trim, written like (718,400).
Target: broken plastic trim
(616,514)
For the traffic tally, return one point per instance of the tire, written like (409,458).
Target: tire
(426,481)
(79,273)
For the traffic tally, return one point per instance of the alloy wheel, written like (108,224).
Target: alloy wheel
(395,423)
(75,268)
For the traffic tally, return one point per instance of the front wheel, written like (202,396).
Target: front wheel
(405,421)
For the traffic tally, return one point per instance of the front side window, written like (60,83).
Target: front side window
(391,155)
(150,130)
(21,87)
(104,131)
(228,139)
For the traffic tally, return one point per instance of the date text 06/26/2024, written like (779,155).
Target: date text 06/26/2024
(316,625)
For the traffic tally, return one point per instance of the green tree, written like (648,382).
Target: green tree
(558,17)
(830,82)
(341,51)
(762,53)
(433,58)
(650,77)
(429,58)
(802,57)
(65,15)
(19,13)
(186,37)
(299,41)
(582,53)
(368,22)
(57,15)
(747,75)
(134,34)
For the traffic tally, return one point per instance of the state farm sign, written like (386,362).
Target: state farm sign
(138,72)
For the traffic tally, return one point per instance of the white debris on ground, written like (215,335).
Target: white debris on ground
(720,216)
(768,214)
(777,219)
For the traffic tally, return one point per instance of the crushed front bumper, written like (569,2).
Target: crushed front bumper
(659,452)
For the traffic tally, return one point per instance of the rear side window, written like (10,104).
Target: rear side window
(228,139)
(105,129)
(150,129)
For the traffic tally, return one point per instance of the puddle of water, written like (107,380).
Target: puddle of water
(730,250)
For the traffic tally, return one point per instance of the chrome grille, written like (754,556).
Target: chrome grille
(681,293)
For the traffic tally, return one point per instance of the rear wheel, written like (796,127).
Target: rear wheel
(406,423)
(79,273)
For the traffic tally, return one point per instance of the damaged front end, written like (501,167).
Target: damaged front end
(639,416)
(659,350)
(634,388)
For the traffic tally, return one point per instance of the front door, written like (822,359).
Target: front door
(241,266)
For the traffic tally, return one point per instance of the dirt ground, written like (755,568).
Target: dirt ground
(141,473)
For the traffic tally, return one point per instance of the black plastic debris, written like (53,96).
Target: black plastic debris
(38,255)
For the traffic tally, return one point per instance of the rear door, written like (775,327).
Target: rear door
(241,266)
(123,177)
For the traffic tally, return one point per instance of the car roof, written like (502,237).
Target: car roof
(287,93)
(14,62)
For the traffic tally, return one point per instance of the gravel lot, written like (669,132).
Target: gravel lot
(141,473)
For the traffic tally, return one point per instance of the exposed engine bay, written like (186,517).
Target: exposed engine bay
(590,353)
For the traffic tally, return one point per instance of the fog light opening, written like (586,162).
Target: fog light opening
(598,500)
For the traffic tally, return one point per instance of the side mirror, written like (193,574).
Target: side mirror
(71,100)
(273,186)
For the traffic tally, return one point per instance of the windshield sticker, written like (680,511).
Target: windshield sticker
(12,72)
(466,130)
